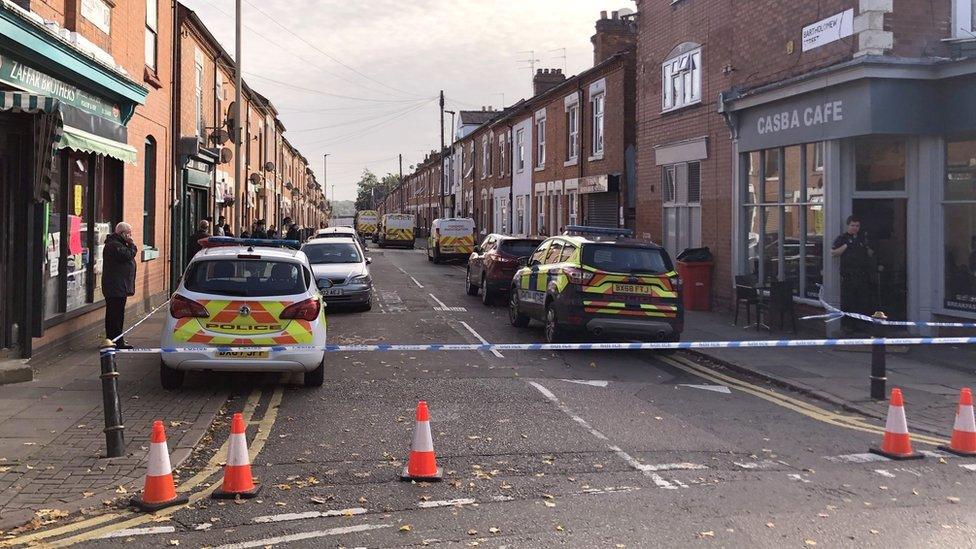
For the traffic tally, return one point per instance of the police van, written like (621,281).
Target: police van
(365,224)
(396,230)
(450,238)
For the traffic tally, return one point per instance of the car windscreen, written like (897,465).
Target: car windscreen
(519,248)
(332,252)
(246,277)
(626,259)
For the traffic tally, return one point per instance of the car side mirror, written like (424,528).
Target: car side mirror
(369,260)
(523,261)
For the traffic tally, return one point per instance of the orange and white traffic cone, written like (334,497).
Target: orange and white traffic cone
(159,491)
(963,442)
(237,472)
(422,465)
(897,443)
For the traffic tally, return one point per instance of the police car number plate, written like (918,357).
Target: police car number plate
(632,289)
(242,354)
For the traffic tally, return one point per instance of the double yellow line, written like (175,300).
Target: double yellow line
(127,519)
(790,403)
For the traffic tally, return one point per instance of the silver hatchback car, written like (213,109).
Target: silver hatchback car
(341,271)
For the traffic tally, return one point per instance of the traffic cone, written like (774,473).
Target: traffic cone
(237,472)
(422,465)
(896,443)
(963,442)
(158,491)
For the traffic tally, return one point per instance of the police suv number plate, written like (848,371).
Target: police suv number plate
(332,291)
(632,289)
(242,354)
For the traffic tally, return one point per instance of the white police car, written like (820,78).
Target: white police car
(246,293)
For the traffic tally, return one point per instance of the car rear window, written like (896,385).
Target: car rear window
(519,248)
(246,278)
(332,252)
(626,259)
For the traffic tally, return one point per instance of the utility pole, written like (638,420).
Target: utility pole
(441,205)
(401,182)
(237,118)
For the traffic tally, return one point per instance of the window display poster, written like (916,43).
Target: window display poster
(79,199)
(74,235)
(54,254)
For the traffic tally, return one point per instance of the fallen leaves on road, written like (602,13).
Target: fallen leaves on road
(809,542)
(406,528)
(953,499)
(770,525)
(494,530)
(707,534)
(121,490)
(472,532)
(174,542)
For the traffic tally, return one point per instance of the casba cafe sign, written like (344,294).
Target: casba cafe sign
(814,115)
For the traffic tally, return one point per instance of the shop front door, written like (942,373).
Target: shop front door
(885,226)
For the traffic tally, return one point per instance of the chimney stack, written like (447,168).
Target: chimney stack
(613,35)
(547,79)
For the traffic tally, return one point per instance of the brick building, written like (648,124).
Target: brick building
(762,129)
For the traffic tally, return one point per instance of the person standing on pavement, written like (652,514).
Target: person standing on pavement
(193,246)
(292,232)
(118,280)
(259,231)
(855,272)
(272,233)
(219,227)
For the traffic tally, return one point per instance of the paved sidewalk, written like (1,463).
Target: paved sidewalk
(51,440)
(929,376)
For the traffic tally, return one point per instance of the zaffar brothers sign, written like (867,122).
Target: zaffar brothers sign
(813,115)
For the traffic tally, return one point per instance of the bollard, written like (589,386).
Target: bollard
(114,429)
(879,373)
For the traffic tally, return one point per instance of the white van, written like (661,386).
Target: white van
(450,238)
(396,230)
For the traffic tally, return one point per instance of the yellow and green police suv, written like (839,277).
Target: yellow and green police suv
(601,282)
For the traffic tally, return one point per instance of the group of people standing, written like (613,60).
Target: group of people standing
(258,229)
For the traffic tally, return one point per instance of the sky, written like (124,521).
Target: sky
(359,80)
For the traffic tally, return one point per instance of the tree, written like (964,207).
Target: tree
(373,190)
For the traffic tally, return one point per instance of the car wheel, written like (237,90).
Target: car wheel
(368,306)
(554,332)
(470,288)
(515,316)
(437,255)
(170,378)
(487,296)
(316,377)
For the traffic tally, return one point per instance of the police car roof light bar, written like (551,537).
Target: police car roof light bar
(604,231)
(219,241)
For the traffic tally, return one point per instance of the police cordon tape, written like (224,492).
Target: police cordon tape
(833,313)
(563,346)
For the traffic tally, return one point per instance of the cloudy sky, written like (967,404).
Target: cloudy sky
(359,80)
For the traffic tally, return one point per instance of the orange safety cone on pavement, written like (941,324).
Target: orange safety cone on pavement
(896,443)
(422,465)
(159,490)
(963,442)
(237,472)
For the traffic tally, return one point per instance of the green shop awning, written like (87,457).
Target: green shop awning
(80,140)
(27,102)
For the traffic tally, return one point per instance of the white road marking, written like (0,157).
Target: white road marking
(968,466)
(857,458)
(304,535)
(657,479)
(130,532)
(672,467)
(884,473)
(481,339)
(442,307)
(415,281)
(936,454)
(715,388)
(285,517)
(592,382)
(798,477)
(502,498)
(610,490)
(764,464)
(445,503)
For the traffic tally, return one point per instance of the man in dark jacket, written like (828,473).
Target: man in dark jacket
(259,231)
(292,233)
(193,246)
(118,279)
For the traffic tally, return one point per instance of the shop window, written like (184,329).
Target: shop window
(149,195)
(682,206)
(152,32)
(880,162)
(784,217)
(959,214)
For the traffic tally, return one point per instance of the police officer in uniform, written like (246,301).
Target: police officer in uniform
(855,272)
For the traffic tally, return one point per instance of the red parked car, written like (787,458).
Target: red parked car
(493,264)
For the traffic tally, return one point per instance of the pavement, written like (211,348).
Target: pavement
(544,449)
(930,377)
